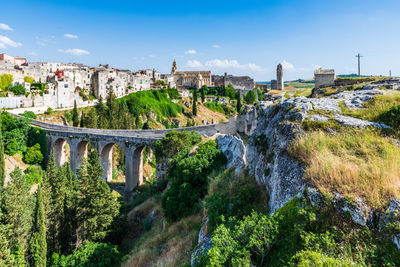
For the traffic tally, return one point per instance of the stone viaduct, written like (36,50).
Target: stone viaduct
(131,141)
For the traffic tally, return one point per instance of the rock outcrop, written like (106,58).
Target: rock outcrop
(234,150)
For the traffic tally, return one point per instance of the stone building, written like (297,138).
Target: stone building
(279,78)
(278,84)
(13,60)
(324,78)
(243,83)
(187,79)
(274,85)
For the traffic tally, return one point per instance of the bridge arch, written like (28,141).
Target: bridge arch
(106,160)
(60,148)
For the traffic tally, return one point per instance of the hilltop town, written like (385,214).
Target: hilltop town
(59,85)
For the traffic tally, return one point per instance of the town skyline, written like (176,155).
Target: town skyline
(241,39)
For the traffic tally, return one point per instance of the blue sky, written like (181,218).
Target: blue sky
(240,37)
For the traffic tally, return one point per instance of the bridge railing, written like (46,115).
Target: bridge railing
(225,127)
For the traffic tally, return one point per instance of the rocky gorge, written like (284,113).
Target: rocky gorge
(271,128)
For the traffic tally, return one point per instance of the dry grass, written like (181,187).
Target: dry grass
(353,162)
(171,246)
(374,107)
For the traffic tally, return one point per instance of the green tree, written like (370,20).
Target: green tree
(113,109)
(250,97)
(189,181)
(82,122)
(68,234)
(230,91)
(18,89)
(2,161)
(238,102)
(194,101)
(97,207)
(6,81)
(54,188)
(38,245)
(203,96)
(6,258)
(17,209)
(91,119)
(75,116)
(29,79)
(33,155)
(248,241)
(259,94)
(101,110)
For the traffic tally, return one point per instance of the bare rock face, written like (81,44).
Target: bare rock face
(267,154)
(359,212)
(391,217)
(234,150)
(204,244)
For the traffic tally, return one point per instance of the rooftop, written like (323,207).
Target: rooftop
(324,72)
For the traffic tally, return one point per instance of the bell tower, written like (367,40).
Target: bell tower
(174,67)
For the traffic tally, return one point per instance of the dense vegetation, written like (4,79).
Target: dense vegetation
(298,235)
(19,137)
(128,112)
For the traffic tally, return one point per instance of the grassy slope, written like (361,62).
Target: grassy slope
(356,163)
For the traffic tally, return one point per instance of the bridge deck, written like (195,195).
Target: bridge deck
(208,130)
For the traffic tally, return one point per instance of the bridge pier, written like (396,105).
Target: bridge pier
(133,167)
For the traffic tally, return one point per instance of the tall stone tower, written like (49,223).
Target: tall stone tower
(174,67)
(279,77)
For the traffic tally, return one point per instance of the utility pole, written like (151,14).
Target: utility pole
(359,69)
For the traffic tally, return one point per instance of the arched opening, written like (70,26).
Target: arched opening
(61,151)
(140,167)
(149,165)
(112,159)
(82,152)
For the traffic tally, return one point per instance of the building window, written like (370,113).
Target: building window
(65,85)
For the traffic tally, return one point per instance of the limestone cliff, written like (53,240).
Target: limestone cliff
(266,153)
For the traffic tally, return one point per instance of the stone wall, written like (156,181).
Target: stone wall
(324,80)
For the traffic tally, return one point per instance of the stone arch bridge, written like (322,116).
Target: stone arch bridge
(131,141)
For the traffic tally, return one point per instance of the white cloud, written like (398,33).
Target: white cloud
(3,46)
(287,66)
(216,46)
(152,56)
(33,53)
(225,63)
(74,52)
(5,27)
(5,41)
(190,52)
(71,36)
(194,63)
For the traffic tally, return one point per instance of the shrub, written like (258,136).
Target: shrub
(88,255)
(49,111)
(29,115)
(174,142)
(235,195)
(68,116)
(189,180)
(29,79)
(313,258)
(33,175)
(250,97)
(391,117)
(18,89)
(246,243)
(33,155)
